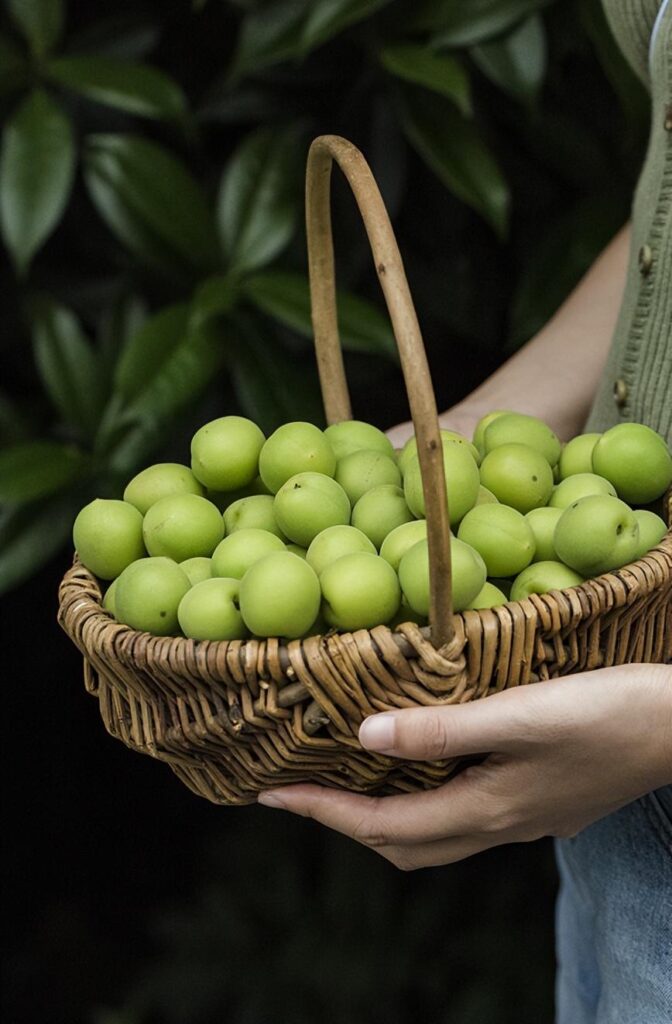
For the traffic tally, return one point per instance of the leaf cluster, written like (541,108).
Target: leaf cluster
(151,178)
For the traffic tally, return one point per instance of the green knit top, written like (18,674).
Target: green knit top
(637,383)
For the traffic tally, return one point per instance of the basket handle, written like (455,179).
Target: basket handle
(390,269)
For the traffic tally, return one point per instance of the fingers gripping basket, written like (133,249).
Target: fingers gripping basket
(232,718)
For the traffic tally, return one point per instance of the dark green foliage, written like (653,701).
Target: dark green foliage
(151,205)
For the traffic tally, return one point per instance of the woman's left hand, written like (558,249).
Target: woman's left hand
(561,754)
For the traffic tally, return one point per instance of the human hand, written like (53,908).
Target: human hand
(562,754)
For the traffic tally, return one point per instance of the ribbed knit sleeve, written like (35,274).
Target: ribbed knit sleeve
(631,22)
(637,383)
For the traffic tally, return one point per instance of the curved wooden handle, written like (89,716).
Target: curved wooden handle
(392,277)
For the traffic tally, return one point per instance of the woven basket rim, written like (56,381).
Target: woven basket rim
(589,586)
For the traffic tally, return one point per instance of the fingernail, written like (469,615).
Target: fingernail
(377,732)
(270,800)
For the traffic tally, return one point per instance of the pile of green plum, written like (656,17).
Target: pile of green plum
(308,530)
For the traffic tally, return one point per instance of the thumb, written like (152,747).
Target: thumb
(496,723)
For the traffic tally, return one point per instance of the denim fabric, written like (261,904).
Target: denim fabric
(614,917)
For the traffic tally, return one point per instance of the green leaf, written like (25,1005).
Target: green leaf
(259,198)
(40,21)
(137,88)
(271,387)
(326,18)
(438,72)
(516,63)
(458,24)
(32,534)
(214,297)
(36,171)
(452,148)
(35,469)
(128,35)
(13,68)
(117,324)
(148,349)
(269,35)
(285,296)
(151,203)
(68,367)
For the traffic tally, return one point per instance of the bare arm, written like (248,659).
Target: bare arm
(556,374)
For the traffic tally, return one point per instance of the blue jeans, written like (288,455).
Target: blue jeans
(614,917)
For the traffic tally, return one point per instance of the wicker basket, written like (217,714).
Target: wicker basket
(233,718)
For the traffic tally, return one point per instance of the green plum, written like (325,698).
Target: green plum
(210,611)
(502,537)
(333,543)
(182,526)
(308,503)
(542,577)
(148,595)
(468,575)
(160,481)
(252,513)
(359,471)
(197,569)
(380,511)
(225,453)
(579,485)
(543,522)
(352,435)
(597,534)
(518,428)
(399,540)
(518,476)
(577,455)
(489,596)
(359,591)
(280,596)
(234,555)
(652,529)
(462,483)
(295,448)
(107,535)
(636,460)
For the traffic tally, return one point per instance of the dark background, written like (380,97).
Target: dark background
(134,309)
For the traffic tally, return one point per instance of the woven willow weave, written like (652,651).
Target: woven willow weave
(234,717)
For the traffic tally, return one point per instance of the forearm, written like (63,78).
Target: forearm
(556,374)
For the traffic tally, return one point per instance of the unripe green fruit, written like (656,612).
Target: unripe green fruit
(518,476)
(225,453)
(636,460)
(447,437)
(108,600)
(577,455)
(307,504)
(579,485)
(295,448)
(403,537)
(483,424)
(501,536)
(148,594)
(223,499)
(182,526)
(489,596)
(468,575)
(333,543)
(234,555)
(280,596)
(197,569)
(542,577)
(360,590)
(652,529)
(517,428)
(297,549)
(253,513)
(462,483)
(359,471)
(160,481)
(210,611)
(352,435)
(543,522)
(380,511)
(597,534)
(107,535)
(485,497)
